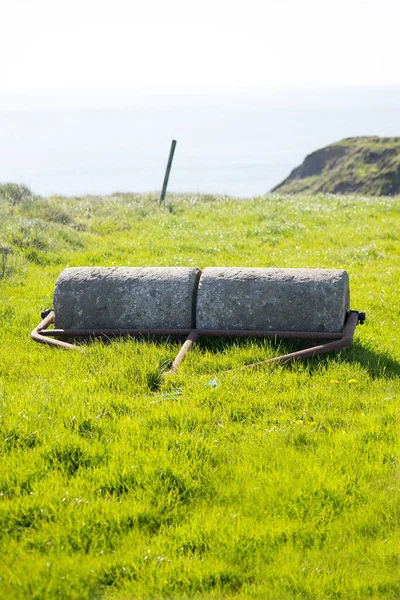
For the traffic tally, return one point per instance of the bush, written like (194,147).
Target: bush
(5,252)
(15,193)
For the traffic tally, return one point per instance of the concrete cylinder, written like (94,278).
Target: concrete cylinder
(272,299)
(126,298)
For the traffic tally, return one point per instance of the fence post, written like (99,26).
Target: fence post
(168,169)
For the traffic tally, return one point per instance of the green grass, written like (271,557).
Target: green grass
(281,482)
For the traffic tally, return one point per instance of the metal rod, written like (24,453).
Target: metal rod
(37,334)
(348,334)
(334,341)
(168,169)
(283,335)
(190,340)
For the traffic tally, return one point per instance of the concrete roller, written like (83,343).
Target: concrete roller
(126,298)
(306,304)
(272,299)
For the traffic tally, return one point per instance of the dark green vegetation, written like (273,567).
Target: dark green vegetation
(277,483)
(363,165)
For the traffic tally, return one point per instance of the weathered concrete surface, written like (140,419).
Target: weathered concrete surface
(272,299)
(125,298)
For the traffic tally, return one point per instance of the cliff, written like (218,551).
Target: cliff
(364,165)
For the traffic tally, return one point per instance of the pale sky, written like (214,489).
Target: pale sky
(180,44)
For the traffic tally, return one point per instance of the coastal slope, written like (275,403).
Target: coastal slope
(365,165)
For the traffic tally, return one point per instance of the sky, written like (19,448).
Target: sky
(182,45)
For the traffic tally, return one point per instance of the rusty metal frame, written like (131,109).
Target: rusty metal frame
(331,340)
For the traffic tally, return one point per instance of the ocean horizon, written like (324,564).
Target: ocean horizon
(236,143)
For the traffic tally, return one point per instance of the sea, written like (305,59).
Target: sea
(238,142)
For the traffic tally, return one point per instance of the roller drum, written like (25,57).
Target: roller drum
(272,299)
(126,298)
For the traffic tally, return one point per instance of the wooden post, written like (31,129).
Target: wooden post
(171,156)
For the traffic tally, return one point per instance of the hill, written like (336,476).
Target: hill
(364,165)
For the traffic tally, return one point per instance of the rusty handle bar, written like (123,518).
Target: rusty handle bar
(334,340)
(37,334)
(190,340)
(289,335)
(347,338)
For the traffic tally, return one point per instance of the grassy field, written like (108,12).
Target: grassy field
(281,482)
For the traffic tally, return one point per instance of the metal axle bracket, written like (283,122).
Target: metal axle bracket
(330,341)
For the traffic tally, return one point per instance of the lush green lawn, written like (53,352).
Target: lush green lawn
(276,483)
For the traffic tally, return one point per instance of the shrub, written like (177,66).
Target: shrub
(5,252)
(15,193)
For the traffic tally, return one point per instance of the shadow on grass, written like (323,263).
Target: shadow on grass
(378,364)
